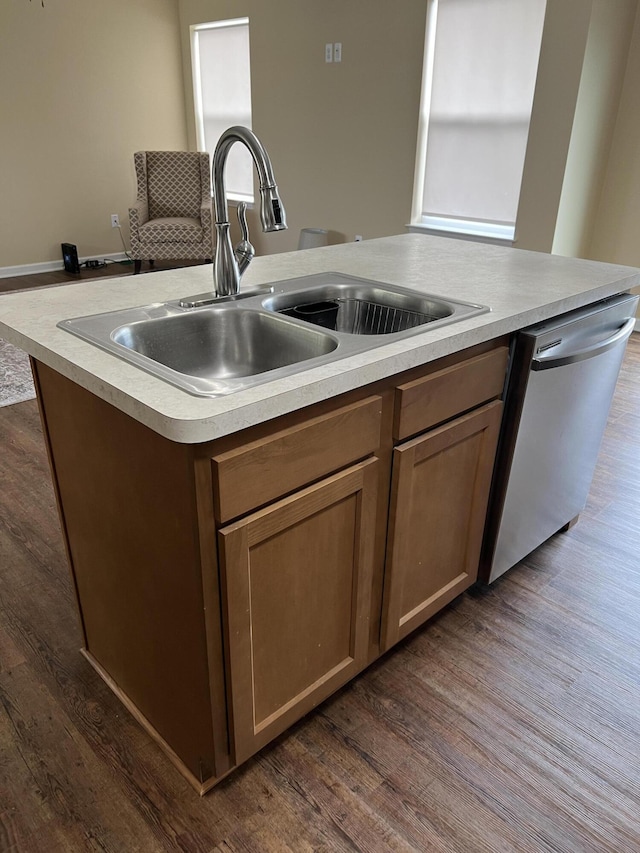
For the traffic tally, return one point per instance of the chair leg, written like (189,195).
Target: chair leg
(137,265)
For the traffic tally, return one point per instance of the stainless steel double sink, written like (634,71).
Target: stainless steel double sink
(233,344)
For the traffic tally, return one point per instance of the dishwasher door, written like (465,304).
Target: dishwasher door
(567,371)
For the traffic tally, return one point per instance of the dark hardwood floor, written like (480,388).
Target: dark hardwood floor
(58,277)
(511,722)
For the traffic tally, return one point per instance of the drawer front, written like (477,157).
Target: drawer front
(256,473)
(444,394)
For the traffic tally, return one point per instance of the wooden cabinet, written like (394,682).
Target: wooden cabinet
(439,496)
(296,514)
(440,487)
(226,588)
(296,583)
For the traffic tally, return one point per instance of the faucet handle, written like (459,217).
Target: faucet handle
(243,251)
(242,219)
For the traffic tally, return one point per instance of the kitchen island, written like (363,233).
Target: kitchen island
(238,558)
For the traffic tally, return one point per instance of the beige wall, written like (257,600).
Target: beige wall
(580,192)
(82,86)
(603,73)
(616,236)
(341,136)
(616,230)
(564,40)
(582,166)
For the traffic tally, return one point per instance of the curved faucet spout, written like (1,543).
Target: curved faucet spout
(226,270)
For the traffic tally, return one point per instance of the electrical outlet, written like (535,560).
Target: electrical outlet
(337,52)
(328,53)
(115,220)
(358,238)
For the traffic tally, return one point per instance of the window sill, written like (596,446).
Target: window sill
(497,235)
(234,202)
(235,199)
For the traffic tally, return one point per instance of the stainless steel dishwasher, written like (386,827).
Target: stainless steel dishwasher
(561,382)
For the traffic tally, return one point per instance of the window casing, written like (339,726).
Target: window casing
(480,66)
(222,95)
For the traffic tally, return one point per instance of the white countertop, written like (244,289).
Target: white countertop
(520,287)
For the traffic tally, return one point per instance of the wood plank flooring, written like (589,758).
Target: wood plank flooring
(57,277)
(510,723)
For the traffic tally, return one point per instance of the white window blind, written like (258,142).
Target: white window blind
(478,92)
(222,95)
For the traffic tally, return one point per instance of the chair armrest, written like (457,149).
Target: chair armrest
(206,216)
(138,214)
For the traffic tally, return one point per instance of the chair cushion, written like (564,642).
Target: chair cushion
(172,229)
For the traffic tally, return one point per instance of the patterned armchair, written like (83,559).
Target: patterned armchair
(171,218)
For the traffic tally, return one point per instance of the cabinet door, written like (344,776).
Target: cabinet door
(296,586)
(439,494)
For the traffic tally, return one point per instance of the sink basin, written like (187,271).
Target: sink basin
(219,344)
(355,306)
(207,351)
(211,347)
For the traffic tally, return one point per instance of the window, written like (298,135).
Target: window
(481,59)
(222,95)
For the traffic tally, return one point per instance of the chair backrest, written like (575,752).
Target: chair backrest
(174,182)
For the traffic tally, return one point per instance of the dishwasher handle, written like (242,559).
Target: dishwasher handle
(590,351)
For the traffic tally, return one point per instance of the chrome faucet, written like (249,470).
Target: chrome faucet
(230,263)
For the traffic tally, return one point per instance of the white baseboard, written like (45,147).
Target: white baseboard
(54,266)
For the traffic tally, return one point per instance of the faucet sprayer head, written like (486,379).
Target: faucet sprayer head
(272,213)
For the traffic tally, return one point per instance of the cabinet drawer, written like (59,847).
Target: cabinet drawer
(254,474)
(442,395)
